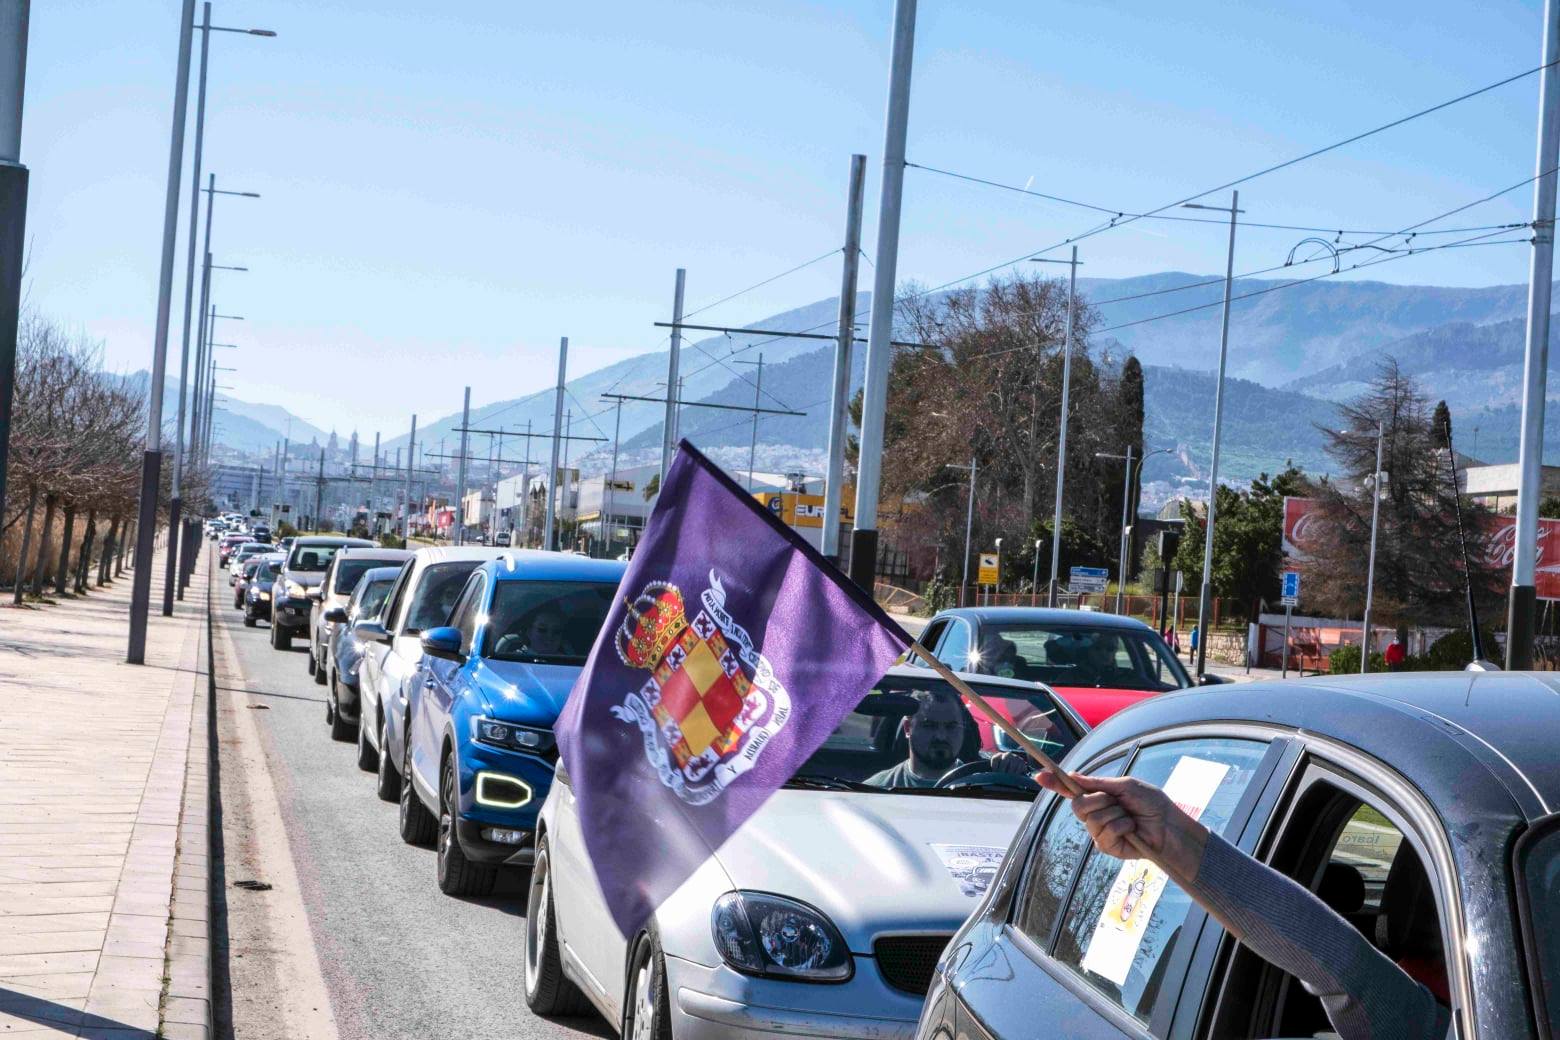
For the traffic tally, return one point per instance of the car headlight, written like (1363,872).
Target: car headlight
(295,590)
(762,934)
(509,736)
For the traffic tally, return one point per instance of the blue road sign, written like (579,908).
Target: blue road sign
(1291,586)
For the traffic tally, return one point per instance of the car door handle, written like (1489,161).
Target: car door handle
(427,682)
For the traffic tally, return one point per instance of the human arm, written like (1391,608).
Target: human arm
(1366,996)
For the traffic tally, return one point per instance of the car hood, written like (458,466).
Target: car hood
(531,694)
(874,863)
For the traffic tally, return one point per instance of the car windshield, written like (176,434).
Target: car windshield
(350,570)
(437,590)
(372,599)
(312,557)
(1078,656)
(551,622)
(870,749)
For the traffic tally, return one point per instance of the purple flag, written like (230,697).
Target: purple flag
(734,651)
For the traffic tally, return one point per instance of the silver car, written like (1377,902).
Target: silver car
(873,879)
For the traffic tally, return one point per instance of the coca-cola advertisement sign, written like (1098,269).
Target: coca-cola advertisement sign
(1303,522)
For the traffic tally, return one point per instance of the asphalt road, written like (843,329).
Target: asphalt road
(400,959)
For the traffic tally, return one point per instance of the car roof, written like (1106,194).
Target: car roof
(1505,720)
(328,539)
(455,553)
(539,565)
(1044,616)
(380,574)
(358,552)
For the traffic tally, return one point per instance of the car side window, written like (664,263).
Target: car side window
(1058,851)
(1124,917)
(467,611)
(397,596)
(929,640)
(955,649)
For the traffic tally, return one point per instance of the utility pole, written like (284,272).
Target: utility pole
(758,388)
(1535,361)
(1121,549)
(13,208)
(880,334)
(1370,568)
(525,490)
(170,579)
(406,511)
(551,486)
(319,492)
(1205,600)
(611,503)
(669,425)
(563,481)
(460,472)
(151,463)
(1061,437)
(839,402)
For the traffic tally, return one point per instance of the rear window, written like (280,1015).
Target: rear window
(350,570)
(1075,656)
(312,557)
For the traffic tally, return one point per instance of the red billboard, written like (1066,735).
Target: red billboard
(1303,520)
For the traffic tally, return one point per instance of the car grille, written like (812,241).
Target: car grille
(909,961)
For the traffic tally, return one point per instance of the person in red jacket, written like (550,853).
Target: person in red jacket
(1395,655)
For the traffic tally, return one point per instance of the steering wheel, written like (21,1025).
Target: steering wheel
(980,774)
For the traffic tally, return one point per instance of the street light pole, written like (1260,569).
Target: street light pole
(1205,600)
(13,208)
(1370,570)
(839,400)
(551,485)
(406,509)
(1061,438)
(1034,582)
(460,472)
(880,334)
(969,528)
(758,386)
(669,425)
(1535,361)
(151,463)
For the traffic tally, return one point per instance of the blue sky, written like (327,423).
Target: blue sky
(448,188)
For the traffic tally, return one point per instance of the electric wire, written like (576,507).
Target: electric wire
(759,285)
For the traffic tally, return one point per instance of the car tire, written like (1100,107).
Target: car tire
(367,757)
(314,667)
(547,990)
(321,676)
(340,729)
(647,1015)
(249,620)
(281,637)
(418,826)
(389,786)
(458,876)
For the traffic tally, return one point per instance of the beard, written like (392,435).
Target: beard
(937,755)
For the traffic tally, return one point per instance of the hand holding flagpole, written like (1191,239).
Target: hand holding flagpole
(1030,748)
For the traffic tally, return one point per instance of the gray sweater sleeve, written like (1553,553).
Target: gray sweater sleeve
(1366,996)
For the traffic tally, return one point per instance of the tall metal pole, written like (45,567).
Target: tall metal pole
(406,510)
(880,334)
(1061,437)
(525,489)
(617,430)
(1205,600)
(170,579)
(1121,548)
(151,463)
(969,532)
(460,471)
(1535,361)
(319,492)
(1370,568)
(13,208)
(758,386)
(669,425)
(551,485)
(198,410)
(839,402)
(563,481)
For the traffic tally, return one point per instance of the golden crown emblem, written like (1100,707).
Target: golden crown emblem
(654,621)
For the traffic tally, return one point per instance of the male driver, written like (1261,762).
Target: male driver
(935,734)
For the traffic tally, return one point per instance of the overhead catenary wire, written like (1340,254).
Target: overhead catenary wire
(759,285)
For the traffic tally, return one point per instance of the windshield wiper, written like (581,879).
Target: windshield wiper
(831,783)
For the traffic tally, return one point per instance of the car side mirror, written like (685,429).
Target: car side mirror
(336,615)
(443,642)
(371,632)
(1209,679)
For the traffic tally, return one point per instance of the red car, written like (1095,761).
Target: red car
(1098,663)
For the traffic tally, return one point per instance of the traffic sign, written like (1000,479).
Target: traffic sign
(1087,579)
(989,573)
(1291,589)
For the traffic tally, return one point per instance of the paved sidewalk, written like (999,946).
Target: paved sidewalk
(98,769)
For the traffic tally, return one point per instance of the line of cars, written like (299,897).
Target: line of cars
(966,907)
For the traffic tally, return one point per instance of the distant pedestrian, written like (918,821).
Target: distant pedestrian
(1173,640)
(1395,654)
(1195,633)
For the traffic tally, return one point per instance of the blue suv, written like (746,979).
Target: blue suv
(480,750)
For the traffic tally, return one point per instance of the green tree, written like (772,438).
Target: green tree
(1247,540)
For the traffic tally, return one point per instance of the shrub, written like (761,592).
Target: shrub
(391,541)
(286,530)
(1453,651)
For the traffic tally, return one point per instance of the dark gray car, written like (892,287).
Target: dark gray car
(1421,807)
(307,561)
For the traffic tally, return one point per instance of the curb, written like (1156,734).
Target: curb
(188,1009)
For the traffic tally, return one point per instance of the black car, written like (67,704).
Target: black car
(1421,807)
(256,602)
(292,600)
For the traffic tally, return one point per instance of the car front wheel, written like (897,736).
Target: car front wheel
(648,1015)
(547,990)
(458,876)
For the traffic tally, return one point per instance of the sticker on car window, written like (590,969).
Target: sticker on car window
(973,867)
(1139,883)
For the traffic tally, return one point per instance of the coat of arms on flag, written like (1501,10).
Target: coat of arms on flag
(711,702)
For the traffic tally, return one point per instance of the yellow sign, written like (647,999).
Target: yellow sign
(796,510)
(988,570)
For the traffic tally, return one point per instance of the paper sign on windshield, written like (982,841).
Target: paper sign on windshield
(974,867)
(1119,931)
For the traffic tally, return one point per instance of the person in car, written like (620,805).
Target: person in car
(542,633)
(935,736)
(1366,995)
